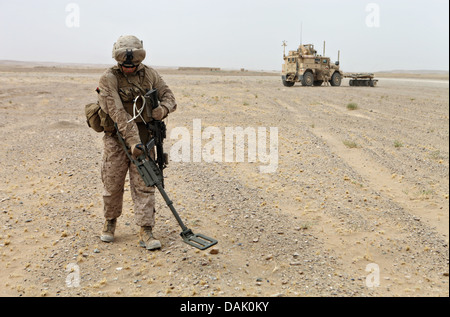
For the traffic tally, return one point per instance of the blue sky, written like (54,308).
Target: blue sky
(409,34)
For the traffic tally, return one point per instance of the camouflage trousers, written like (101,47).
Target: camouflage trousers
(115,166)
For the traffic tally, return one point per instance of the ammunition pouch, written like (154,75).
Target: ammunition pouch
(97,119)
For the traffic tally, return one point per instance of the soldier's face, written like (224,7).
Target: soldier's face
(128,70)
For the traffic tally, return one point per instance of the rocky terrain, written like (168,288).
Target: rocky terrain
(357,204)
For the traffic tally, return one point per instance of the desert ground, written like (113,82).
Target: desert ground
(357,205)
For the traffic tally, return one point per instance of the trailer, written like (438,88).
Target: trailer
(361,79)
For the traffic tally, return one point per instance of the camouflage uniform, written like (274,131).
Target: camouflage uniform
(114,169)
(116,94)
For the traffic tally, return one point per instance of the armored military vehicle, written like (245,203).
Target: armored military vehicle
(306,66)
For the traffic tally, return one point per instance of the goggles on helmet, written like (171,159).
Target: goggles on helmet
(129,60)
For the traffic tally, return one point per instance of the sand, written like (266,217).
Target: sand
(357,204)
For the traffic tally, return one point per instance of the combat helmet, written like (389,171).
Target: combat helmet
(128,51)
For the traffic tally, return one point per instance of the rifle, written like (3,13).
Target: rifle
(151,172)
(158,129)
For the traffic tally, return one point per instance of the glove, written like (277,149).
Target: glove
(159,113)
(135,151)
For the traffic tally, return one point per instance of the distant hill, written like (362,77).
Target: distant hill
(49,64)
(416,74)
(420,71)
(86,67)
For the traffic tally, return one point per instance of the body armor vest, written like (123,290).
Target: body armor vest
(130,88)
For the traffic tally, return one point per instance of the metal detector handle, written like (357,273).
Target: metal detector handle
(151,98)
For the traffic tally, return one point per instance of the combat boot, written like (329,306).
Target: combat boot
(108,230)
(147,240)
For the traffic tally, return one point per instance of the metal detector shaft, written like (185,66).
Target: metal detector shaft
(152,176)
(171,207)
(199,241)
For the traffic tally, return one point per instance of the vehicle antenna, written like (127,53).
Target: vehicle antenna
(284,48)
(301,33)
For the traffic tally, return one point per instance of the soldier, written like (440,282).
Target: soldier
(118,88)
(326,77)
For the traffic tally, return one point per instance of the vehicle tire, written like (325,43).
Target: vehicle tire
(287,83)
(351,82)
(336,79)
(308,79)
